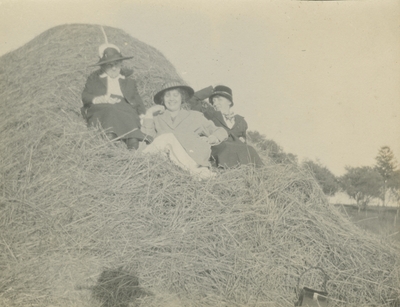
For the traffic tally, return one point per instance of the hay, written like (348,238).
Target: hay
(85,222)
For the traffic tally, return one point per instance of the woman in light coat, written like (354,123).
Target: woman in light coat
(186,136)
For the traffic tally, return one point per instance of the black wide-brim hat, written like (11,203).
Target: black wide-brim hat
(170,86)
(111,54)
(221,90)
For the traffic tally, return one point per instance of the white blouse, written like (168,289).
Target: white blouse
(230,121)
(113,87)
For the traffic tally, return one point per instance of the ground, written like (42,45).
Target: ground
(383,221)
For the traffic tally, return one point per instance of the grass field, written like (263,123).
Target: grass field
(381,221)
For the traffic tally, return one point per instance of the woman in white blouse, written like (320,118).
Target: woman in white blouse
(111,99)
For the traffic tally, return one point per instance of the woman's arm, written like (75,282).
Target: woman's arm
(196,102)
(148,126)
(244,130)
(240,128)
(140,108)
(88,93)
(95,92)
(213,131)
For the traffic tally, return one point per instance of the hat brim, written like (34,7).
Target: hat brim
(111,60)
(157,97)
(223,94)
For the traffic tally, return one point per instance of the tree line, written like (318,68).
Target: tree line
(362,183)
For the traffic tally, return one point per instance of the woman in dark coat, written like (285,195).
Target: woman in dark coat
(111,99)
(234,151)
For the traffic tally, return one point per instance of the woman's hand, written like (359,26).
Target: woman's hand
(112,100)
(212,140)
(105,99)
(99,99)
(154,110)
(242,139)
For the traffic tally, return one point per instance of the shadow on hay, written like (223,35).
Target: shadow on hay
(117,288)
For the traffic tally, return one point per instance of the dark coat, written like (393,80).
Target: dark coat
(121,118)
(238,130)
(233,151)
(96,86)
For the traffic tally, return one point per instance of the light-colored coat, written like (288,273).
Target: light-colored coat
(191,129)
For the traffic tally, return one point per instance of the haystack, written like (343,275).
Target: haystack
(85,222)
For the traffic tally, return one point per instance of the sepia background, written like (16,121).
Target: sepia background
(86,222)
(321,78)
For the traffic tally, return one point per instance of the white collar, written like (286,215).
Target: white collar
(104,75)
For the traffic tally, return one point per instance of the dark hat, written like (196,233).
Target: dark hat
(222,90)
(170,85)
(111,54)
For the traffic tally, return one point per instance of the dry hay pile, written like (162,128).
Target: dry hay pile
(85,222)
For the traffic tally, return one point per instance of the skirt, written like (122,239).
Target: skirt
(120,118)
(233,153)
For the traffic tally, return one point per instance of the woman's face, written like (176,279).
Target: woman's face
(173,100)
(222,104)
(113,68)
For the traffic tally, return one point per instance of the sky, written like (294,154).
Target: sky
(320,78)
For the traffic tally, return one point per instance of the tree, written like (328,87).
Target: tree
(270,148)
(328,182)
(394,181)
(386,166)
(394,187)
(362,184)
